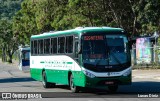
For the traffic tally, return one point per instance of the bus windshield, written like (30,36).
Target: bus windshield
(104,51)
(25,55)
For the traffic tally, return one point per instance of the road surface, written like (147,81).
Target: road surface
(146,84)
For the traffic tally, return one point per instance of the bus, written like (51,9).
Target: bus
(94,57)
(24,58)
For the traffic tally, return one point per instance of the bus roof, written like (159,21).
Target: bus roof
(77,30)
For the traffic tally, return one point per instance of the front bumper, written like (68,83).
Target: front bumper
(98,82)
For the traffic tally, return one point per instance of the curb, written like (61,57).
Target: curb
(145,77)
(157,78)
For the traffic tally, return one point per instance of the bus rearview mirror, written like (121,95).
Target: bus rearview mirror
(79,51)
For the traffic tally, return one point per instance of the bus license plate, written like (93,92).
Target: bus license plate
(109,82)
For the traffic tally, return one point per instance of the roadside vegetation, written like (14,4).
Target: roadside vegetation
(19,19)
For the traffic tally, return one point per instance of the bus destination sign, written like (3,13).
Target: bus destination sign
(97,37)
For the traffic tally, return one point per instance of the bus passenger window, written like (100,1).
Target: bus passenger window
(61,41)
(47,46)
(54,45)
(40,46)
(35,47)
(32,47)
(69,44)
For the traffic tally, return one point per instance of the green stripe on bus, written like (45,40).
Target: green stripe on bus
(69,62)
(42,62)
(53,62)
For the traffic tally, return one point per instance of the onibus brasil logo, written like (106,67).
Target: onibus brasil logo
(8,96)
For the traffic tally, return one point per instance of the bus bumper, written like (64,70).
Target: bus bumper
(98,82)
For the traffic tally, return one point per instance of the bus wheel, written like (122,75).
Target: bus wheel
(73,88)
(45,83)
(113,89)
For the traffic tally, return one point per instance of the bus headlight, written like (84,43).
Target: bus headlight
(88,74)
(128,72)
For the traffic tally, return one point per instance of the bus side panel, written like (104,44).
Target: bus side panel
(79,78)
(36,67)
(36,74)
(52,75)
(64,75)
(57,76)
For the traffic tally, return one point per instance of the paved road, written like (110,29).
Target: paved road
(145,83)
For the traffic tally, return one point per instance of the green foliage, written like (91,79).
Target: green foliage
(38,16)
(149,17)
(8,42)
(24,23)
(8,8)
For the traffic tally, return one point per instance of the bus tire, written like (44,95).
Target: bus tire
(45,83)
(113,88)
(74,89)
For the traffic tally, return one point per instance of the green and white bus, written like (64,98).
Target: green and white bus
(96,57)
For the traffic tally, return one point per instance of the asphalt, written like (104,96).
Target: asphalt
(12,69)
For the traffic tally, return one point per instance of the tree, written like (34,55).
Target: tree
(135,16)
(24,22)
(8,43)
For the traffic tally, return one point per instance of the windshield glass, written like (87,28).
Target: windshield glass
(105,50)
(25,55)
(92,47)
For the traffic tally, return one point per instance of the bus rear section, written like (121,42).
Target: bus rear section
(24,58)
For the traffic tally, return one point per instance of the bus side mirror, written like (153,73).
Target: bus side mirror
(79,49)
